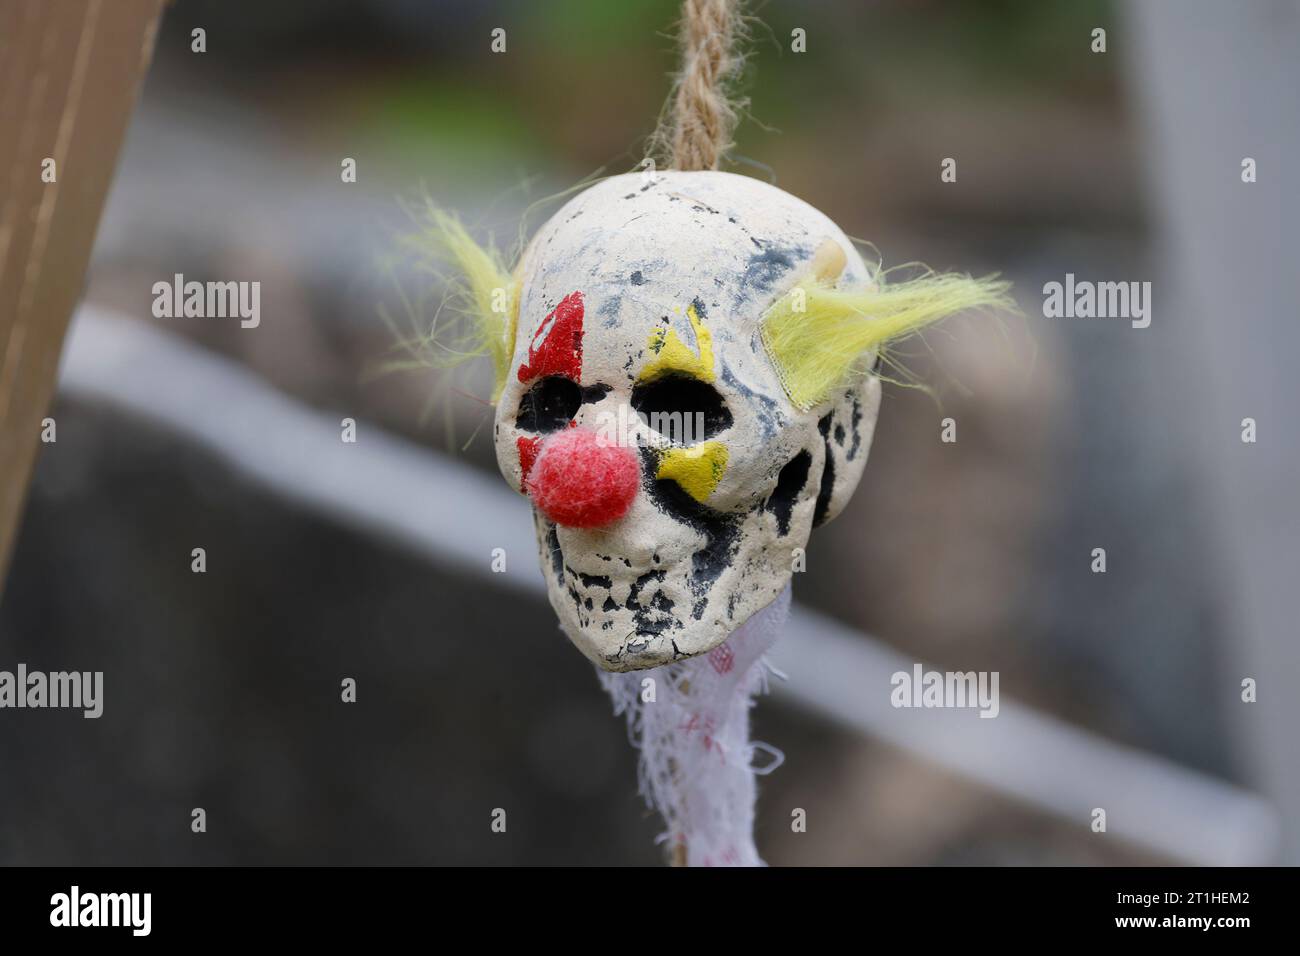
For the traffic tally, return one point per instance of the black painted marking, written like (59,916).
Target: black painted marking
(855,424)
(552,402)
(678,400)
(609,309)
(789,484)
(549,404)
(721,531)
(768,265)
(594,393)
(770,418)
(654,617)
(557,556)
(825,490)
(594,580)
(634,592)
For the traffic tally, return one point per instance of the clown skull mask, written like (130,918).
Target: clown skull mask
(672,477)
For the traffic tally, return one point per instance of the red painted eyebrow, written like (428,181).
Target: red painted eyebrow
(556,348)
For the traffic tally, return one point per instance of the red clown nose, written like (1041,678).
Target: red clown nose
(580,482)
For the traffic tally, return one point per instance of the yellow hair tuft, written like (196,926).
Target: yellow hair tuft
(481,296)
(820,338)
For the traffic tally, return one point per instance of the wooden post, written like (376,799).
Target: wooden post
(69,74)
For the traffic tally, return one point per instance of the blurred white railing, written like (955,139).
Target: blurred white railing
(392,487)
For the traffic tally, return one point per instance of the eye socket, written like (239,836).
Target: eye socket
(684,410)
(549,404)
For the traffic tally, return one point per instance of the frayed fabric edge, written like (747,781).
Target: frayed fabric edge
(690,724)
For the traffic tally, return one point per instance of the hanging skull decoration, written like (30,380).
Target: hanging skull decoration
(683,389)
(673,480)
(685,386)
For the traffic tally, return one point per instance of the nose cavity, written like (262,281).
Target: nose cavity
(580,481)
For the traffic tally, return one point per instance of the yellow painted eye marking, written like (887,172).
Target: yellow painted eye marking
(670,355)
(697,469)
